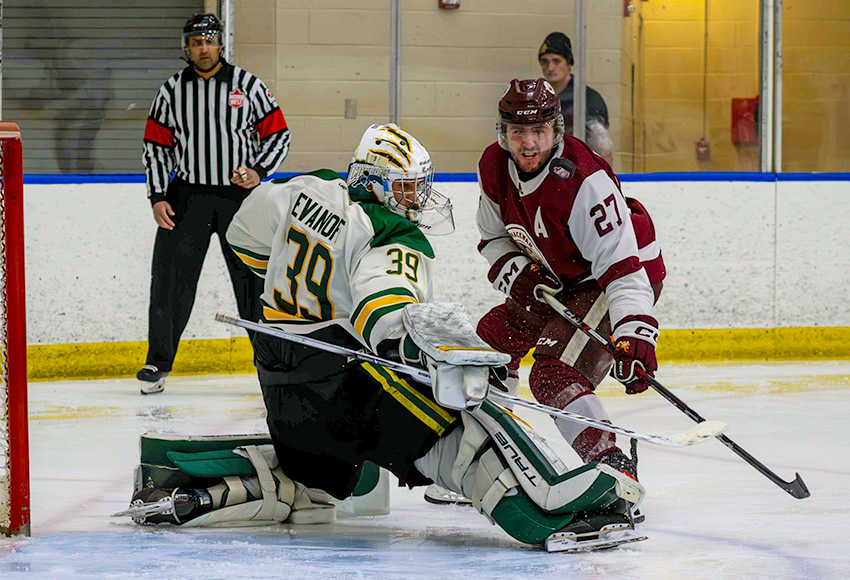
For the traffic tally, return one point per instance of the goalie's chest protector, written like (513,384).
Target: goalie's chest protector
(536,213)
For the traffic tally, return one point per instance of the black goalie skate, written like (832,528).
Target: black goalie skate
(162,506)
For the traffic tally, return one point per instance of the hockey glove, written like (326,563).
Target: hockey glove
(531,281)
(402,350)
(461,387)
(635,338)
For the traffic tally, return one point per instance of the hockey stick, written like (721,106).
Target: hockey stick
(699,434)
(796,488)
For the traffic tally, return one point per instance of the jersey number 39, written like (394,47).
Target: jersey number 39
(409,267)
(317,287)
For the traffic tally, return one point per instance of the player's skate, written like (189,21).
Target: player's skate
(162,506)
(442,496)
(619,461)
(625,464)
(593,531)
(151,380)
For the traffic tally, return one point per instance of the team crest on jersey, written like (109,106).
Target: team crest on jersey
(526,244)
(270,96)
(563,168)
(366,188)
(237,98)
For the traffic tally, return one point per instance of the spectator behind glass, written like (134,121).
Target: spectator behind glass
(556,62)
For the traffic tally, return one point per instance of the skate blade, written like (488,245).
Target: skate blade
(143,510)
(569,542)
(441,501)
(449,498)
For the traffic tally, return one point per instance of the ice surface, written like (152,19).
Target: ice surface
(709,514)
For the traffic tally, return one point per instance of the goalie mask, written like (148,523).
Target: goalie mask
(396,169)
(208,28)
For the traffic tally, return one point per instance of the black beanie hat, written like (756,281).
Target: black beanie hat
(557,43)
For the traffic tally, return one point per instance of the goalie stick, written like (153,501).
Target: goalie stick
(796,488)
(702,432)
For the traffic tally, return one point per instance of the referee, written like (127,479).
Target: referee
(218,130)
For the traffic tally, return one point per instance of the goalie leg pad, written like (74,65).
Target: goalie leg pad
(267,497)
(557,484)
(278,494)
(473,462)
(187,462)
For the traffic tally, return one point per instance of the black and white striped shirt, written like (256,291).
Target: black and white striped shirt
(204,129)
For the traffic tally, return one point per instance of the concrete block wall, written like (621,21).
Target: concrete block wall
(456,65)
(816,98)
(687,84)
(686,97)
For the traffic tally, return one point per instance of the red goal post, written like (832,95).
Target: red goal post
(14,447)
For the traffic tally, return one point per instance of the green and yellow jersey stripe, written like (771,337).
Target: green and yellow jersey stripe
(258,263)
(420,406)
(373,307)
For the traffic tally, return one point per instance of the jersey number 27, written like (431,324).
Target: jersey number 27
(603,222)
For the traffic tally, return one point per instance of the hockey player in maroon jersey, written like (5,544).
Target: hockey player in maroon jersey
(552,218)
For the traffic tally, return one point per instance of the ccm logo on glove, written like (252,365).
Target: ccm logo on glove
(635,339)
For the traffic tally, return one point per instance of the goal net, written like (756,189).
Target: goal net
(14,459)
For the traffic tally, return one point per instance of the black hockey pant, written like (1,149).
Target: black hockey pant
(327,416)
(178,254)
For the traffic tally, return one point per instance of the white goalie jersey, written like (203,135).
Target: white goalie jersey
(330,258)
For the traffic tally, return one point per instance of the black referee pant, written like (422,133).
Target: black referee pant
(178,255)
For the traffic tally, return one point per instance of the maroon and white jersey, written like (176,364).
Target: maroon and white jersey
(577,226)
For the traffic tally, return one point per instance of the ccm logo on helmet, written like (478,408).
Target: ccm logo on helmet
(528,112)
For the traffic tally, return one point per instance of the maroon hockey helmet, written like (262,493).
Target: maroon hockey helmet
(530,102)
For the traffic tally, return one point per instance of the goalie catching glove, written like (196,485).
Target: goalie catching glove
(635,339)
(458,361)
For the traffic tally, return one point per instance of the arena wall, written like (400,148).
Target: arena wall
(456,64)
(757,270)
(668,73)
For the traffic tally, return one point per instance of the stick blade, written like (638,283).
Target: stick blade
(701,432)
(797,488)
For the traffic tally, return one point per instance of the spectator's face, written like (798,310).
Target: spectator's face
(203,52)
(530,144)
(555,68)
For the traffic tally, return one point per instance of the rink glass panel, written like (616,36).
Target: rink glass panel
(816,86)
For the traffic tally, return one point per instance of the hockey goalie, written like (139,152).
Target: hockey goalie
(347,262)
